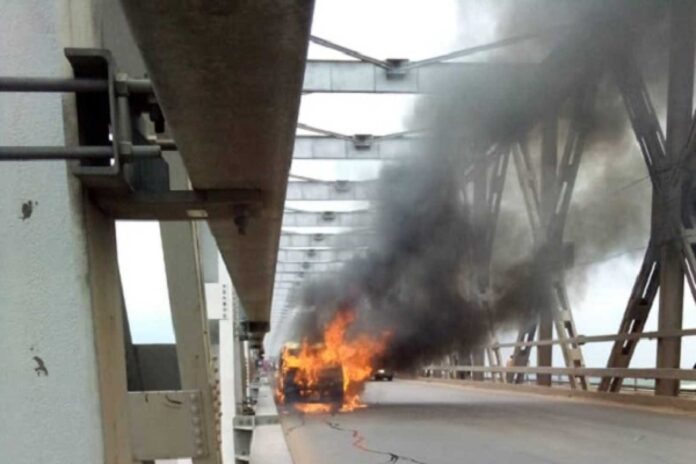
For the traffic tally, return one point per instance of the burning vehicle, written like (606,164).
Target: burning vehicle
(323,385)
(328,375)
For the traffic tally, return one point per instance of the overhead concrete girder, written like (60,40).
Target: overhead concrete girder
(228,76)
(323,241)
(361,77)
(330,191)
(312,255)
(326,218)
(362,146)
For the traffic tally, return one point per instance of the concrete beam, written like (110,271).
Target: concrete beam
(232,105)
(326,219)
(365,147)
(330,191)
(360,77)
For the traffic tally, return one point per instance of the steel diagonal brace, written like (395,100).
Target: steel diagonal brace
(489,210)
(565,183)
(495,196)
(348,52)
(552,232)
(634,318)
(668,177)
(530,192)
(529,187)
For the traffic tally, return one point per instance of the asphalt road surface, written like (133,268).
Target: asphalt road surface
(419,422)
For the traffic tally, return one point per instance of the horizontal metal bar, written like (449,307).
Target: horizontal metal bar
(179,205)
(139,85)
(367,148)
(75,153)
(52,84)
(164,144)
(307,267)
(77,85)
(582,339)
(637,373)
(326,219)
(323,241)
(326,76)
(330,191)
(312,255)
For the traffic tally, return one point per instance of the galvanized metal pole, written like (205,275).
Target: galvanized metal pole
(679,108)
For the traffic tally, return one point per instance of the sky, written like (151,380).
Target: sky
(413,29)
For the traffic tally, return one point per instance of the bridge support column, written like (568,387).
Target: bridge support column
(549,169)
(679,108)
(63,387)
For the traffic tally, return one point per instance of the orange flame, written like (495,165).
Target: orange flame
(354,356)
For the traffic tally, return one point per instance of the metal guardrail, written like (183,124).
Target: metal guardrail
(600,372)
(582,339)
(637,373)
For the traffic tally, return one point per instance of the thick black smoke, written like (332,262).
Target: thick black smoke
(421,278)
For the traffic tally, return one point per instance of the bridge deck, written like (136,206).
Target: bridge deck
(435,423)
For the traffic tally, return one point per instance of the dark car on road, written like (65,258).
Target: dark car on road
(383,374)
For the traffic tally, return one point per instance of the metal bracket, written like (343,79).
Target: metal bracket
(179,205)
(97,119)
(397,68)
(106,103)
(106,119)
(363,141)
(166,425)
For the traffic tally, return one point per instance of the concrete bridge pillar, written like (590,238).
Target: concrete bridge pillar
(61,341)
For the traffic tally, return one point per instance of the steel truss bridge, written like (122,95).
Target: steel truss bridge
(163,123)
